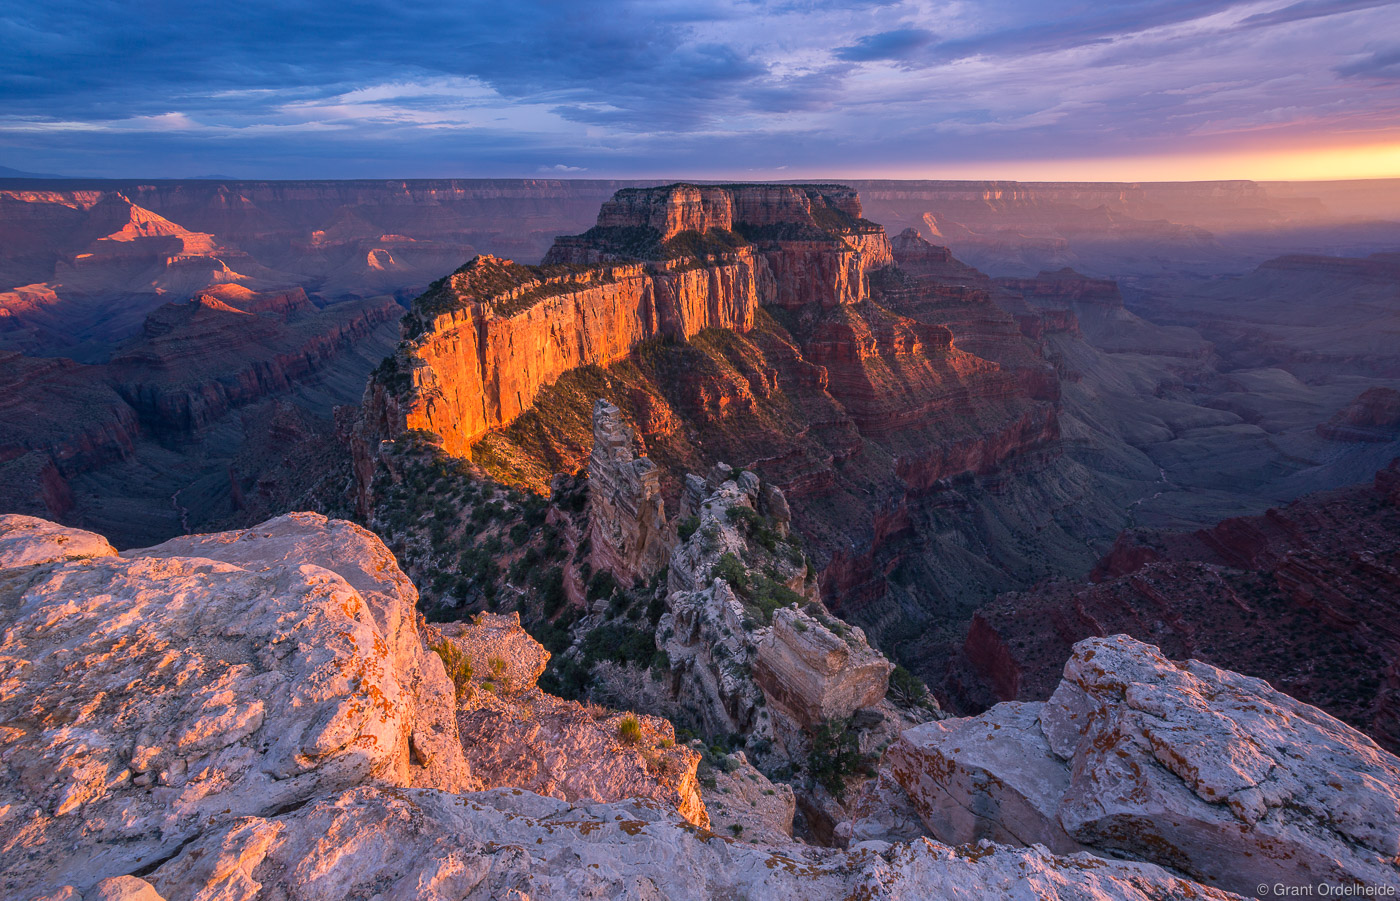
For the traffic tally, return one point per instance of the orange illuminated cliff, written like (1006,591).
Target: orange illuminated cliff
(771,326)
(662,263)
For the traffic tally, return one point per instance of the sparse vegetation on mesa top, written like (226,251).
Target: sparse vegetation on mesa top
(484,279)
(641,242)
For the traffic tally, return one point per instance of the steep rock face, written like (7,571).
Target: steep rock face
(31,484)
(176,691)
(1305,595)
(1373,416)
(505,844)
(677,208)
(514,734)
(488,340)
(626,513)
(479,364)
(1211,773)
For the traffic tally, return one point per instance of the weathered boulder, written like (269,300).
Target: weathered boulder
(146,698)
(514,734)
(359,557)
(418,843)
(816,674)
(498,650)
(29,541)
(746,805)
(988,777)
(626,514)
(1209,772)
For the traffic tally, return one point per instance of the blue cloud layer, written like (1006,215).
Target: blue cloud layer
(656,87)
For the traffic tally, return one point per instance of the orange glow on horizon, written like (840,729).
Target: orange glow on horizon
(1377,160)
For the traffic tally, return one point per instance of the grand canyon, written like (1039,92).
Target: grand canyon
(749,450)
(578,538)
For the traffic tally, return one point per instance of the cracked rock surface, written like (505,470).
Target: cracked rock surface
(1213,774)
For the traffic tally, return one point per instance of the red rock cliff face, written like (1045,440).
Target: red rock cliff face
(802,352)
(480,366)
(489,339)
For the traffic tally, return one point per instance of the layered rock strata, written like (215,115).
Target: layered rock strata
(1210,773)
(487,340)
(816,674)
(1373,416)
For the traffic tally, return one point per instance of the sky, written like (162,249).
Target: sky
(742,89)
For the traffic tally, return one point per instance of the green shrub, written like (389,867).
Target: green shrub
(835,756)
(688,527)
(459,668)
(747,516)
(907,689)
(731,569)
(620,644)
(629,730)
(602,585)
(550,584)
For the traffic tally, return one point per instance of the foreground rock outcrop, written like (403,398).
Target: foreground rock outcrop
(260,714)
(1212,774)
(146,698)
(150,695)
(509,844)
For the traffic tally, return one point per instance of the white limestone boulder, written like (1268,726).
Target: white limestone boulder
(1213,774)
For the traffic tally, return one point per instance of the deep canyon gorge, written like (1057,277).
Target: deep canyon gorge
(858,539)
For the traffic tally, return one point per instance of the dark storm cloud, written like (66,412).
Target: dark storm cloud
(358,87)
(1312,9)
(1383,65)
(887,45)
